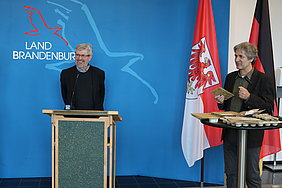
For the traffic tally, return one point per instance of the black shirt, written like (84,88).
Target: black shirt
(83,95)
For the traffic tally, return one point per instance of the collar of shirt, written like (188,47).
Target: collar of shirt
(247,77)
(88,66)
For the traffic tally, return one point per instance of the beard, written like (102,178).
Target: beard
(82,65)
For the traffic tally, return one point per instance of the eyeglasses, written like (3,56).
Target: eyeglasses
(81,55)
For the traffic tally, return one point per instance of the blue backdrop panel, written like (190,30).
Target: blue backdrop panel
(143,46)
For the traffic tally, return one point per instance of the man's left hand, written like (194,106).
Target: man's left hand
(243,93)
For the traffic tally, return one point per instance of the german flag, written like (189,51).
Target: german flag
(261,37)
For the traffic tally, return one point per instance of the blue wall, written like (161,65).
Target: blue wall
(143,46)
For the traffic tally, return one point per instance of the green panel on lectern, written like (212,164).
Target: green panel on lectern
(81,154)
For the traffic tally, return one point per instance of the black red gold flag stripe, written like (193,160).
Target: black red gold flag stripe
(261,37)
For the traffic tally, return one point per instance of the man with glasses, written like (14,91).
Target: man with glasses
(82,85)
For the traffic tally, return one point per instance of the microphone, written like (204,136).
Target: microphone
(72,95)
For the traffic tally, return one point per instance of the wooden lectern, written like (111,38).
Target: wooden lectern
(83,148)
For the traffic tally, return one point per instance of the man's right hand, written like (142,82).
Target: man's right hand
(219,99)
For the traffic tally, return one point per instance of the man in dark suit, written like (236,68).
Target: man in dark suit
(82,85)
(252,90)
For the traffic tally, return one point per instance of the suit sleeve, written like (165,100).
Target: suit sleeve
(263,98)
(102,89)
(63,87)
(99,89)
(227,84)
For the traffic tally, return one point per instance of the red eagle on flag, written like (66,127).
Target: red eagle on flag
(202,72)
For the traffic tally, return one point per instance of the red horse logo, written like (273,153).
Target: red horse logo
(32,12)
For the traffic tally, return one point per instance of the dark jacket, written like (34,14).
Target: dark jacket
(260,88)
(68,80)
(262,97)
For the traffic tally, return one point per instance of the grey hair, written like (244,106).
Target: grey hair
(87,47)
(249,49)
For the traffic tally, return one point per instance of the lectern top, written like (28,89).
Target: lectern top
(115,114)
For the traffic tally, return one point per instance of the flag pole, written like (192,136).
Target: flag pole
(202,170)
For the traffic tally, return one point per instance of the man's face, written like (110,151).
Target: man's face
(242,62)
(82,58)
